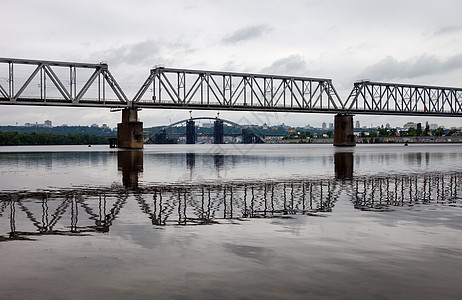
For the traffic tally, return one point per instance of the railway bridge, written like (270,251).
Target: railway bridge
(56,83)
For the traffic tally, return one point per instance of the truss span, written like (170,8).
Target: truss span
(404,99)
(196,89)
(36,82)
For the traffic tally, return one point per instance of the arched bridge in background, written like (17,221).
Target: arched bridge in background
(53,83)
(249,136)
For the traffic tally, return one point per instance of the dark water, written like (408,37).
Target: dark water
(231,222)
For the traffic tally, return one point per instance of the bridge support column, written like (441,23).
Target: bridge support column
(247,137)
(130,131)
(190,132)
(218,132)
(343,131)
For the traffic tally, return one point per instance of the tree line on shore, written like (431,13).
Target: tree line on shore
(382,132)
(34,138)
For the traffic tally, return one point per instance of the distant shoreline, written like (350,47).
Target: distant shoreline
(379,140)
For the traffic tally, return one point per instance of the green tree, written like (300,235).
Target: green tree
(438,132)
(15,138)
(453,131)
(418,131)
(384,132)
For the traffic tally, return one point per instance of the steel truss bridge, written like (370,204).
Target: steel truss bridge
(47,83)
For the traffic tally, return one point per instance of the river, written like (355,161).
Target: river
(231,222)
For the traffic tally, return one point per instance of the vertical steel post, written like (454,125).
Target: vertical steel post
(10,80)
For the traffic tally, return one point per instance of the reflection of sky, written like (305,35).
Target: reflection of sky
(43,170)
(65,166)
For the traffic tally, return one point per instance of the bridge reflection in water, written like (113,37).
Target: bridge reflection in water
(87,210)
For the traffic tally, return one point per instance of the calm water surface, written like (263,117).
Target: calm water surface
(231,222)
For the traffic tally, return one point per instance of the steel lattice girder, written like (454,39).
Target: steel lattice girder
(179,88)
(404,99)
(45,84)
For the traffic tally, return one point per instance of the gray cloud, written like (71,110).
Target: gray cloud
(246,33)
(447,30)
(390,68)
(291,65)
(138,53)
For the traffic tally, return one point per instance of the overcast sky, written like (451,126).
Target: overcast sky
(402,41)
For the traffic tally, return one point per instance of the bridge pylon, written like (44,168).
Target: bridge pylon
(130,131)
(218,132)
(190,132)
(343,130)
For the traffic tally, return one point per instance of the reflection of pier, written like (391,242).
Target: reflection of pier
(130,162)
(343,164)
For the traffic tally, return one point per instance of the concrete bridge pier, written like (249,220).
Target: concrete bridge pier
(343,131)
(190,132)
(130,131)
(218,133)
(247,137)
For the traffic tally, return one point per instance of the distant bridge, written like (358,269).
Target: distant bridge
(256,134)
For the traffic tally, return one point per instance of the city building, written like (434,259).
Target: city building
(409,125)
(331,125)
(324,125)
(358,125)
(207,125)
(47,123)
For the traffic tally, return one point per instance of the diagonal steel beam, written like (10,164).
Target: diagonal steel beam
(114,86)
(87,85)
(28,81)
(57,82)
